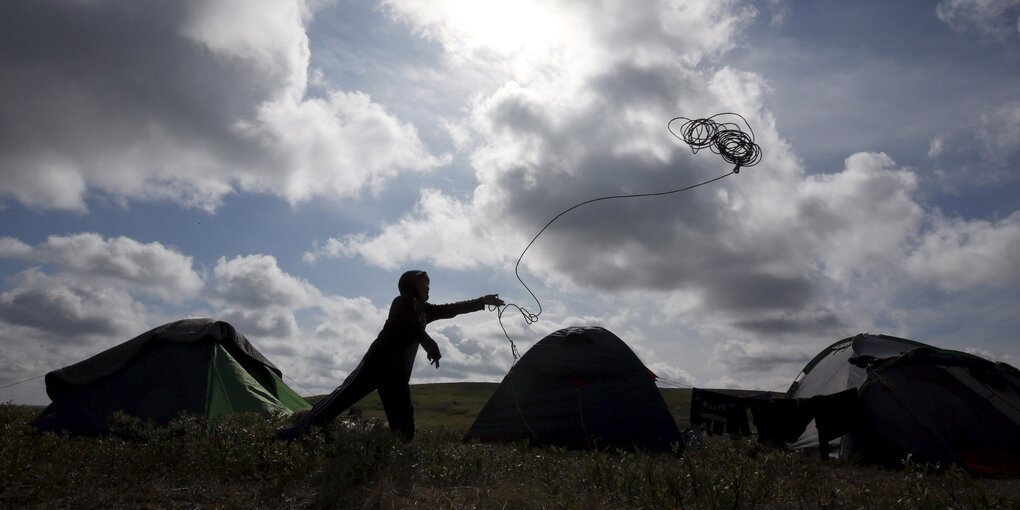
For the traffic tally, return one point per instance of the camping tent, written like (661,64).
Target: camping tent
(194,366)
(579,388)
(935,404)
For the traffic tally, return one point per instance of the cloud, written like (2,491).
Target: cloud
(257,282)
(337,146)
(670,376)
(86,294)
(860,219)
(980,152)
(315,337)
(90,290)
(184,102)
(578,33)
(120,263)
(779,10)
(268,37)
(999,358)
(567,102)
(14,248)
(777,259)
(68,311)
(956,254)
(152,268)
(90,302)
(992,18)
(438,238)
(999,130)
(759,357)
(541,146)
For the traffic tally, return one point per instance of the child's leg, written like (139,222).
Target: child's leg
(396,400)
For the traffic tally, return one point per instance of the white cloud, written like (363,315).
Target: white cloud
(779,10)
(151,267)
(120,263)
(860,219)
(671,376)
(88,298)
(14,248)
(957,254)
(996,18)
(436,232)
(936,146)
(223,106)
(999,131)
(268,35)
(759,357)
(337,146)
(558,43)
(989,355)
(979,152)
(42,181)
(256,281)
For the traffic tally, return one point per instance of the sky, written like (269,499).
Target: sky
(277,164)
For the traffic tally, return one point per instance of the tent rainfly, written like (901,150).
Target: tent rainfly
(879,399)
(192,366)
(937,405)
(579,388)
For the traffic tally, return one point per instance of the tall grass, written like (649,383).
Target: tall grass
(235,463)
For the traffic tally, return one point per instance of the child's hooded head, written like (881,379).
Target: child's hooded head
(414,283)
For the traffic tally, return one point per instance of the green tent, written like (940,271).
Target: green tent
(192,366)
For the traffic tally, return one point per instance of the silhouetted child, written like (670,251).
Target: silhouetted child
(387,365)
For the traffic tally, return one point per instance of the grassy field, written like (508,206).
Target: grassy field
(455,405)
(235,463)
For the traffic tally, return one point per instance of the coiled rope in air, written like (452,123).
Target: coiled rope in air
(726,139)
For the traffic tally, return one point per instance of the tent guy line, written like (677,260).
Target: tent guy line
(4,387)
(726,139)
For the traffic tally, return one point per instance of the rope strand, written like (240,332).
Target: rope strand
(723,138)
(4,387)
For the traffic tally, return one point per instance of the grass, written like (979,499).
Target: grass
(235,463)
(456,405)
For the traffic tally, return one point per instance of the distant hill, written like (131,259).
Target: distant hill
(456,405)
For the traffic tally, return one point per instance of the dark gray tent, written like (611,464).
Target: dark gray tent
(936,405)
(579,388)
(194,366)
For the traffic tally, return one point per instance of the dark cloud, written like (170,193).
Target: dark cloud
(819,322)
(633,84)
(181,101)
(69,313)
(741,290)
(689,239)
(82,77)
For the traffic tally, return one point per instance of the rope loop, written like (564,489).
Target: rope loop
(726,139)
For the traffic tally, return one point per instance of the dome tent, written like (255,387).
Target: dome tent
(937,405)
(579,387)
(194,366)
